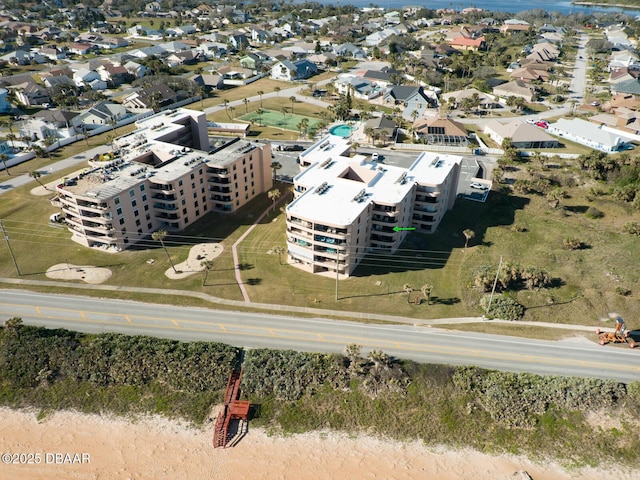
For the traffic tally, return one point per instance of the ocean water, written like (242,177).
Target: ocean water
(514,6)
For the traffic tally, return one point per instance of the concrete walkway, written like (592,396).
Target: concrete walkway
(234,249)
(284,309)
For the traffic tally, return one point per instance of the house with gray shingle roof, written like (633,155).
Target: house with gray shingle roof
(289,71)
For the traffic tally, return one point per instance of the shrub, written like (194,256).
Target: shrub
(625,292)
(502,306)
(519,227)
(571,243)
(593,212)
(632,228)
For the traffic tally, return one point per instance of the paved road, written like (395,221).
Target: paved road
(420,343)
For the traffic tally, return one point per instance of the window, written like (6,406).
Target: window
(116,200)
(132,192)
(140,231)
(195,194)
(200,172)
(144,197)
(121,221)
(146,207)
(201,181)
(119,210)
(148,217)
(182,193)
(184,211)
(197,213)
(179,183)
(134,203)
(184,202)
(149,226)
(192,176)
(186,220)
(142,188)
(193,186)
(136,213)
(138,224)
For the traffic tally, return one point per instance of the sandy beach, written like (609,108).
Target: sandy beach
(105,448)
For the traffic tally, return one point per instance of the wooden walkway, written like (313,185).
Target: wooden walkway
(234,409)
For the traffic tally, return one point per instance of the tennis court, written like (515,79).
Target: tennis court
(287,121)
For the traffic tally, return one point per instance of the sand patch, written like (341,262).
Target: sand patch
(155,448)
(86,273)
(193,264)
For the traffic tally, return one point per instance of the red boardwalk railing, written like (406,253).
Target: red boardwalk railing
(233,409)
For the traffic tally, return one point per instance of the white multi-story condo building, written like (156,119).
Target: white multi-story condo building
(164,175)
(345,207)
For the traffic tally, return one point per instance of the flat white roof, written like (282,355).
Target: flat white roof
(339,188)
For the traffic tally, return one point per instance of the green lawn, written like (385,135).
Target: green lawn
(284,120)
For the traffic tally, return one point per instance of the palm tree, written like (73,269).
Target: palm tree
(3,158)
(279,251)
(113,121)
(284,114)
(426,290)
(36,176)
(206,264)
(231,112)
(159,236)
(468,235)
(202,92)
(85,134)
(292,99)
(370,132)
(12,137)
(49,141)
(277,90)
(246,106)
(260,92)
(39,151)
(275,166)
(259,113)
(274,195)
(407,288)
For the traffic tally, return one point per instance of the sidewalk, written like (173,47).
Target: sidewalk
(287,309)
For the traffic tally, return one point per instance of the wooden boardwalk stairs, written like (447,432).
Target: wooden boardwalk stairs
(234,409)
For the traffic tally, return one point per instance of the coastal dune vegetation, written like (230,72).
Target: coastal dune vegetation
(574,420)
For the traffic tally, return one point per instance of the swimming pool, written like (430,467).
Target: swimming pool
(341,130)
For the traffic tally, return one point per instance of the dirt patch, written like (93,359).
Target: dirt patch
(86,273)
(193,264)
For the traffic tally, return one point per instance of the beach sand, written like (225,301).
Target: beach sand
(155,448)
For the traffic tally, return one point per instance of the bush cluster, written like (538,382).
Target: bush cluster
(502,306)
(512,277)
(519,399)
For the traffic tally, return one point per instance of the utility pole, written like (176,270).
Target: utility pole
(495,282)
(6,238)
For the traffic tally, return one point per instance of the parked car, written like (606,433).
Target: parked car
(375,157)
(542,124)
(478,186)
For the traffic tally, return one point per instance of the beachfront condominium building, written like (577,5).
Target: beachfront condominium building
(345,207)
(164,175)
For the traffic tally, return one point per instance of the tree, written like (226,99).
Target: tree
(260,92)
(85,134)
(13,326)
(407,288)
(279,251)
(275,166)
(274,195)
(259,113)
(159,236)
(3,158)
(426,290)
(277,90)
(468,235)
(246,106)
(206,264)
(36,176)
(292,99)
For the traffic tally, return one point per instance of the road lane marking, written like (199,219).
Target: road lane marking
(127,318)
(38,312)
(175,323)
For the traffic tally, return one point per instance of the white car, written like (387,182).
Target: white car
(478,186)
(374,157)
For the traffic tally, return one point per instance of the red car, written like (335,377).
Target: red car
(542,124)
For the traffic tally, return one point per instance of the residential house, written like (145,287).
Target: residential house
(111,43)
(383,78)
(102,114)
(136,69)
(467,43)
(251,61)
(181,58)
(31,94)
(631,87)
(383,127)
(454,99)
(81,48)
(359,87)
(208,81)
(50,123)
(414,100)
(58,81)
(83,77)
(523,135)
(440,131)
(174,47)
(529,74)
(23,57)
(238,41)
(289,71)
(514,26)
(349,50)
(589,134)
(515,88)
(115,75)
(158,97)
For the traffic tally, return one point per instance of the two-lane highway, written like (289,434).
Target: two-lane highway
(251,330)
